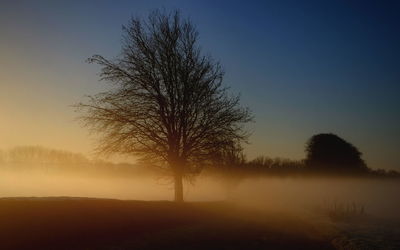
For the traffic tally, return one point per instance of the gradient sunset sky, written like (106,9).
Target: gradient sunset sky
(303,67)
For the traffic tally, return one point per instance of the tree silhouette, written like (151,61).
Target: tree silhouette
(329,152)
(167,102)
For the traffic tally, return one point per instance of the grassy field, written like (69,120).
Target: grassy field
(83,223)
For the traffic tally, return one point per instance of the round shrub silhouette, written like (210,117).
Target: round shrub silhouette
(329,152)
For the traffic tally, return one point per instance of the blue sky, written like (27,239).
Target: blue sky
(303,67)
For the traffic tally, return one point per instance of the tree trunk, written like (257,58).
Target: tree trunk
(178,188)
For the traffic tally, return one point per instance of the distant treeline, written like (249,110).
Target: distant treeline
(38,154)
(326,155)
(27,158)
(266,166)
(233,164)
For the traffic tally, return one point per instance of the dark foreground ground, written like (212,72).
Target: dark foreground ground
(80,223)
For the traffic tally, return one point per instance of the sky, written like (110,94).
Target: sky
(302,67)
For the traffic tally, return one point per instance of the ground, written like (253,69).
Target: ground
(82,223)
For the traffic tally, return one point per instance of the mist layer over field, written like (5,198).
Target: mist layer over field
(294,195)
(377,197)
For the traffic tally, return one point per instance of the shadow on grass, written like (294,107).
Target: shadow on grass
(81,223)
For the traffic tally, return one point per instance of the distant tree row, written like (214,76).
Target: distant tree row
(53,160)
(326,154)
(38,154)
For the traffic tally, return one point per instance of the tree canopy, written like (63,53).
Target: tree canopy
(329,152)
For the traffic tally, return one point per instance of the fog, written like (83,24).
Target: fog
(379,197)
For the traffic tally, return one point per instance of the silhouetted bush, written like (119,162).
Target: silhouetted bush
(330,153)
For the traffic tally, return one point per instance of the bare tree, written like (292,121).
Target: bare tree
(167,102)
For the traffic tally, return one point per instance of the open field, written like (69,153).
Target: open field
(81,223)
(261,213)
